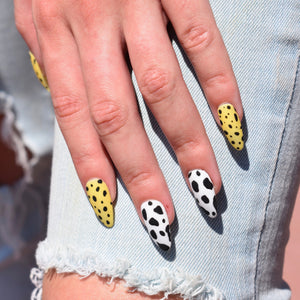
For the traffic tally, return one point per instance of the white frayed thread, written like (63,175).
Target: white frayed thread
(85,263)
(36,277)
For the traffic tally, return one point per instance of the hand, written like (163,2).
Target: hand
(81,46)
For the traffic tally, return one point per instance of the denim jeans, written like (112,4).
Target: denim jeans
(238,255)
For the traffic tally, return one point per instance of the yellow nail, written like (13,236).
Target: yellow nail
(100,199)
(37,70)
(231,125)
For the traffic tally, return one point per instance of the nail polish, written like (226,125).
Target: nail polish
(39,74)
(100,199)
(231,125)
(157,223)
(203,191)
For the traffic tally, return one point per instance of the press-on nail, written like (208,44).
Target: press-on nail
(203,191)
(231,125)
(157,223)
(37,70)
(99,197)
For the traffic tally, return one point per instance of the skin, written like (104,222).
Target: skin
(71,286)
(82,47)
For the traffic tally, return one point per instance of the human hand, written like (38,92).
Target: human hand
(81,46)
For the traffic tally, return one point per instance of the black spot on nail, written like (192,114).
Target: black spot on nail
(236,117)
(208,184)
(163,247)
(225,132)
(198,173)
(158,210)
(107,222)
(205,199)
(237,133)
(99,211)
(153,234)
(105,208)
(195,186)
(97,189)
(230,126)
(94,198)
(153,222)
(99,181)
(228,107)
(220,111)
(150,203)
(189,175)
(144,213)
(104,193)
(87,188)
(162,233)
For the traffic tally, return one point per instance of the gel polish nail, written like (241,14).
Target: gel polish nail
(203,191)
(37,70)
(157,223)
(231,125)
(99,197)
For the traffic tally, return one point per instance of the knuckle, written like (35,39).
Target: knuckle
(46,15)
(139,177)
(66,107)
(156,85)
(186,145)
(197,36)
(83,157)
(220,82)
(108,117)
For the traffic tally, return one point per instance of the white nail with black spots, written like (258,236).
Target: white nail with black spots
(203,191)
(157,223)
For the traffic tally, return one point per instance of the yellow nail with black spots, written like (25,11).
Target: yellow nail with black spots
(100,199)
(39,74)
(231,125)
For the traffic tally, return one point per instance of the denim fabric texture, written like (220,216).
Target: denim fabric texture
(239,254)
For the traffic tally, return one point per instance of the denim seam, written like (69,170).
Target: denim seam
(274,175)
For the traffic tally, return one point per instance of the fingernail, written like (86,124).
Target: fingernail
(203,191)
(157,223)
(39,74)
(99,197)
(231,125)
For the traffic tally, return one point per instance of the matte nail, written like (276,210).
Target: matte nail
(157,223)
(231,125)
(38,72)
(203,191)
(100,199)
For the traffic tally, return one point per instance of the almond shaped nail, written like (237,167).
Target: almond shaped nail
(203,191)
(231,125)
(38,72)
(157,223)
(100,199)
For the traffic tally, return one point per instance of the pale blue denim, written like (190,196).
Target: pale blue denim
(238,255)
(27,125)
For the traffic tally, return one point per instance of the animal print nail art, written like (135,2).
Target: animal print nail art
(157,223)
(203,190)
(37,70)
(231,125)
(99,197)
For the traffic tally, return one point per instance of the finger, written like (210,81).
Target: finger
(161,83)
(25,25)
(117,120)
(197,32)
(62,63)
